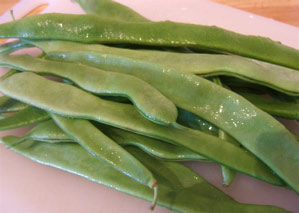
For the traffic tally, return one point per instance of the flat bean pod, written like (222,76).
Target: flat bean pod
(96,29)
(25,117)
(103,148)
(48,131)
(276,77)
(256,130)
(188,188)
(50,95)
(149,101)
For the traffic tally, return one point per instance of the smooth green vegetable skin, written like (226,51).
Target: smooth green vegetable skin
(149,101)
(10,105)
(48,131)
(96,29)
(276,77)
(227,173)
(24,117)
(256,130)
(111,9)
(187,189)
(273,106)
(102,147)
(49,95)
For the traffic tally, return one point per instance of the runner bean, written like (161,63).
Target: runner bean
(50,95)
(96,29)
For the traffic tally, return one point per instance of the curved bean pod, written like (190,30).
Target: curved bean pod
(229,111)
(96,29)
(49,95)
(25,117)
(276,77)
(188,191)
(48,131)
(270,141)
(149,101)
(103,148)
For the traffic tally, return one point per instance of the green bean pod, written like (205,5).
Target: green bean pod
(149,101)
(111,9)
(96,29)
(48,131)
(187,186)
(256,130)
(49,95)
(10,105)
(25,117)
(102,147)
(276,77)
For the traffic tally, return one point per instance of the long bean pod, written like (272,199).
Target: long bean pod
(276,77)
(102,147)
(96,29)
(50,95)
(149,101)
(256,130)
(48,131)
(187,187)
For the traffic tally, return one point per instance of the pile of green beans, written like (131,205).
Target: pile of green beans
(126,116)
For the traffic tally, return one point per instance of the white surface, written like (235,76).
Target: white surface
(26,186)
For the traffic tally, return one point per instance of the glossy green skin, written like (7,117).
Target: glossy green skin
(111,9)
(13,46)
(256,130)
(193,121)
(180,189)
(227,173)
(276,77)
(273,106)
(10,105)
(103,148)
(25,117)
(49,95)
(149,101)
(48,131)
(96,29)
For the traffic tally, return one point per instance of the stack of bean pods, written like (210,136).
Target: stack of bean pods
(131,99)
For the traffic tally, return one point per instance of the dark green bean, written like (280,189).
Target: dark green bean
(188,188)
(149,101)
(25,117)
(50,95)
(96,29)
